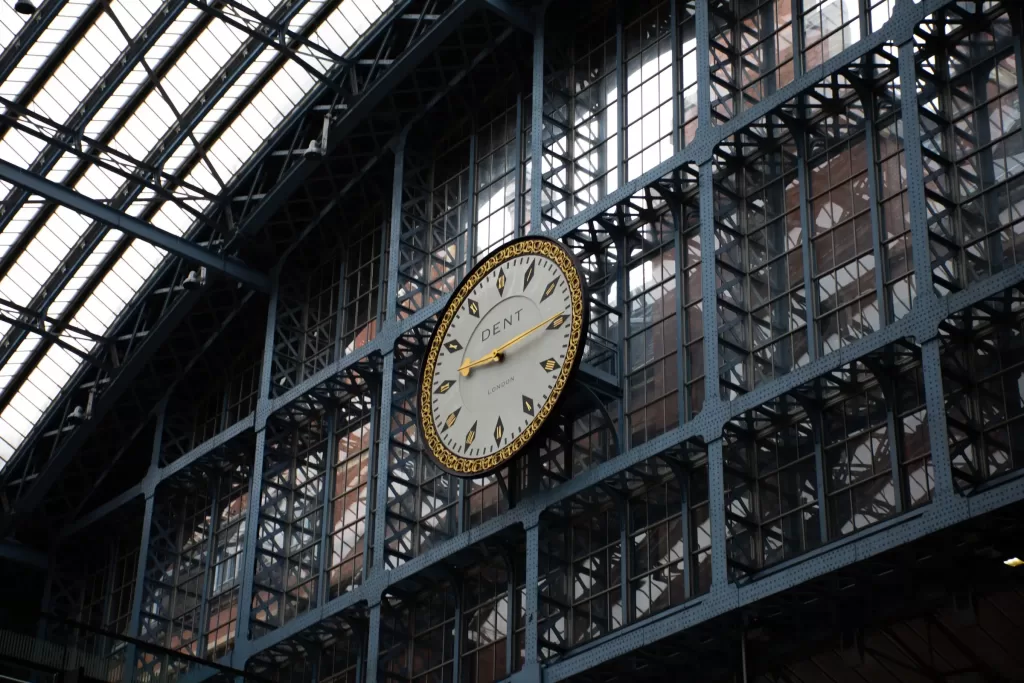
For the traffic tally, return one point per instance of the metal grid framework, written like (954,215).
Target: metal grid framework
(725,168)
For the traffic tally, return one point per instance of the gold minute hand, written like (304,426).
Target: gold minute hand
(495,355)
(522,335)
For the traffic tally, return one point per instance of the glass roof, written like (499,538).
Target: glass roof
(161,91)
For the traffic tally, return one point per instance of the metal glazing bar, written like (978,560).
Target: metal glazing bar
(327,514)
(130,225)
(871,152)
(810,292)
(537,124)
(517,200)
(471,228)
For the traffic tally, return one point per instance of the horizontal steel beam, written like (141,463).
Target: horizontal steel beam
(130,225)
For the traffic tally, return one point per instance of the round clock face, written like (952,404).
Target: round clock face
(501,355)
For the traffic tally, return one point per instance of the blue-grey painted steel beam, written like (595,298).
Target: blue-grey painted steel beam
(135,616)
(511,13)
(18,553)
(65,196)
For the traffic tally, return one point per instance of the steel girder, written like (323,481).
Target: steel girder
(392,55)
(177,246)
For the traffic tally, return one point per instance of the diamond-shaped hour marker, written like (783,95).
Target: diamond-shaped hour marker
(470,435)
(499,431)
(557,322)
(474,309)
(528,406)
(445,386)
(529,276)
(550,364)
(501,282)
(453,345)
(450,420)
(550,289)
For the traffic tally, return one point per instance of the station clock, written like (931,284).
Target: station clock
(502,355)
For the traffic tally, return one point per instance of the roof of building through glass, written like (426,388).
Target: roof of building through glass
(68,75)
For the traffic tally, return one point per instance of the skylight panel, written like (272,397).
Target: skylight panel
(10,23)
(48,40)
(150,123)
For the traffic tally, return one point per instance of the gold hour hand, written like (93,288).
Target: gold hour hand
(468,364)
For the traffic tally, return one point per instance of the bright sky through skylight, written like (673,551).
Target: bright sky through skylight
(121,264)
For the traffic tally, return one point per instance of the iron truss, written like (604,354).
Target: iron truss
(382,72)
(235,559)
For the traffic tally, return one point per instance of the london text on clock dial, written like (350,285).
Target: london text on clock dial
(506,348)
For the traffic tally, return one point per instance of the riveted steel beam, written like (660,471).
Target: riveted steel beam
(130,225)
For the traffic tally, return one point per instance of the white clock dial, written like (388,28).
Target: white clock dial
(501,355)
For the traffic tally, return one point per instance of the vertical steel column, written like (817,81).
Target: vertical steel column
(702,26)
(327,515)
(457,630)
(240,653)
(712,391)
(867,100)
(810,294)
(537,122)
(926,299)
(531,663)
(380,496)
(149,490)
(682,328)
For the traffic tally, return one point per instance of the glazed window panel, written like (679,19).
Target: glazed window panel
(829,27)
(700,528)
(348,508)
(751,53)
(771,487)
(762,312)
(486,609)
(856,449)
(649,90)
(418,639)
(595,593)
(652,333)
(580,164)
(436,218)
(448,229)
(657,551)
(361,287)
(970,114)
(894,204)
(290,523)
(495,183)
(842,244)
(916,470)
(983,378)
(687,69)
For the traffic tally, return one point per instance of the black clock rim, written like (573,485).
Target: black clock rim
(573,368)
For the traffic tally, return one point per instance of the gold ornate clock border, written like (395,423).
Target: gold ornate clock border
(540,246)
